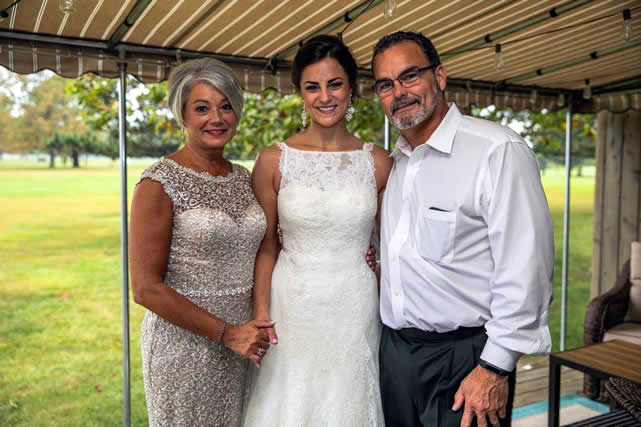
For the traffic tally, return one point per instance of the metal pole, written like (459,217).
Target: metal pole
(387,133)
(566,223)
(124,239)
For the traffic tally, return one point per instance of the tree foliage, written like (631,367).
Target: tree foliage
(268,117)
(546,131)
(44,108)
(151,131)
(51,110)
(70,145)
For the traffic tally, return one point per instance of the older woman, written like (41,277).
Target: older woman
(195,231)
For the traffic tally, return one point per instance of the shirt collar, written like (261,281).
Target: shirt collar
(441,139)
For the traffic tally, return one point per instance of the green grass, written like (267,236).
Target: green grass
(60,311)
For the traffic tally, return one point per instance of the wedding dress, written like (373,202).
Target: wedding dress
(324,298)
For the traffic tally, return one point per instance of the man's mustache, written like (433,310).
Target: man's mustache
(404,102)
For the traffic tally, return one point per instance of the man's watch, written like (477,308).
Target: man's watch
(492,368)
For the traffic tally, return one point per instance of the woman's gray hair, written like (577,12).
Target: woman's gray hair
(206,70)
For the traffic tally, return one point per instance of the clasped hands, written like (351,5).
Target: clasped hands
(251,339)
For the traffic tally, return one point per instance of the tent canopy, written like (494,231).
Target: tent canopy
(551,46)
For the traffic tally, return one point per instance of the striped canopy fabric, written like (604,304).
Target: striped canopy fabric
(548,47)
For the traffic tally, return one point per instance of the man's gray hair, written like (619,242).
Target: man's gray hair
(203,70)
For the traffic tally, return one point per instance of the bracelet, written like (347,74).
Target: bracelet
(222,333)
(494,369)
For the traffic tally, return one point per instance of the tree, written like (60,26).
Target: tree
(69,144)
(7,128)
(151,130)
(546,131)
(46,110)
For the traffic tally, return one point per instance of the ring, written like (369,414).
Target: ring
(260,351)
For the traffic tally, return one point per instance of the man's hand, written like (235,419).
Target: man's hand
(484,394)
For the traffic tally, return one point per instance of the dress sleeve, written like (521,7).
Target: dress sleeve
(164,174)
(520,232)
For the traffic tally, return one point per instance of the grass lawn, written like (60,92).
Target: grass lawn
(60,315)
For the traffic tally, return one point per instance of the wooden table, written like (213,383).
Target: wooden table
(604,360)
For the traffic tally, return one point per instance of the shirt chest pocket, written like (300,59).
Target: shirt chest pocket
(435,233)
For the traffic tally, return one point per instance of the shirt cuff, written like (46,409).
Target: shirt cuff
(500,356)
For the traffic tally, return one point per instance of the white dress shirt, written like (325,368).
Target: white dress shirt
(467,238)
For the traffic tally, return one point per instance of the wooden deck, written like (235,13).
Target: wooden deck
(532,381)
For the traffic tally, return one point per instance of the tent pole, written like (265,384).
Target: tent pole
(387,133)
(122,140)
(566,223)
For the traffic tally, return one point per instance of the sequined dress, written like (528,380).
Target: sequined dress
(324,298)
(217,228)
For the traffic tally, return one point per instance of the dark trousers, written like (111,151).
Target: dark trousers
(420,373)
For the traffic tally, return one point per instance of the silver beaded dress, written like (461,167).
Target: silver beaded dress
(217,228)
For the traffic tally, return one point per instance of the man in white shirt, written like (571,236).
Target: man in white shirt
(467,251)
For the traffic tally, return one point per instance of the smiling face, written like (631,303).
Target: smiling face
(408,107)
(326,92)
(210,121)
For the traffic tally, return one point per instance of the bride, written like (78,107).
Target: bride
(323,187)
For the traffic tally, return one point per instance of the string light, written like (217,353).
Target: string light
(390,9)
(627,25)
(626,21)
(498,57)
(4,13)
(587,90)
(560,101)
(67,6)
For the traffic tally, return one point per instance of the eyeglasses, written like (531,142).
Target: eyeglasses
(407,78)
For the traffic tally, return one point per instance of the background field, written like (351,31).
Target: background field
(60,313)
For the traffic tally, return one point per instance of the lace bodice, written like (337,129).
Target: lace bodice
(326,170)
(316,189)
(217,228)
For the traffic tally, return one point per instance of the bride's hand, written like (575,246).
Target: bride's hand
(271,331)
(370,258)
(250,339)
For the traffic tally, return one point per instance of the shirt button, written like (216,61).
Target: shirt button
(396,293)
(394,259)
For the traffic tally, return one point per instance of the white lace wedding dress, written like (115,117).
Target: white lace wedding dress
(324,370)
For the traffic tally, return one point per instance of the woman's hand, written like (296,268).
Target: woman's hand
(271,332)
(250,340)
(370,257)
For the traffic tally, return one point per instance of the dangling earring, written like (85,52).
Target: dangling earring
(303,117)
(349,113)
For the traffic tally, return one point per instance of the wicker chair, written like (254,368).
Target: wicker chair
(615,314)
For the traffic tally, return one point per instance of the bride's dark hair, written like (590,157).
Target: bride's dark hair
(320,47)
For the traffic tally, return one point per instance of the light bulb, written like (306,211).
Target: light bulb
(627,25)
(533,96)
(498,57)
(390,9)
(67,6)
(587,90)
(560,101)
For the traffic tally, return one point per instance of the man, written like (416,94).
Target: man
(466,251)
